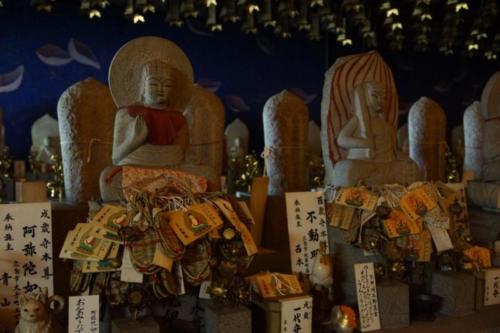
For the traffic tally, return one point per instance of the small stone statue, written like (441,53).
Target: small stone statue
(37,314)
(482,149)
(45,141)
(359,117)
(163,120)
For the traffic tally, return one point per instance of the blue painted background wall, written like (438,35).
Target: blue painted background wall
(251,67)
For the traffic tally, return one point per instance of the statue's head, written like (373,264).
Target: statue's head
(33,307)
(375,96)
(164,87)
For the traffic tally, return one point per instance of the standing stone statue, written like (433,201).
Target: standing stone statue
(151,81)
(45,141)
(427,138)
(285,136)
(473,141)
(485,190)
(85,111)
(237,137)
(358,124)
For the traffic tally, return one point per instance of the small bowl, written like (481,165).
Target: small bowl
(424,306)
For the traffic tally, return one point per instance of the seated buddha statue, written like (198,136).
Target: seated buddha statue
(369,141)
(160,112)
(154,132)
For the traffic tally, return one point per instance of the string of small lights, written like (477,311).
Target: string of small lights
(470,27)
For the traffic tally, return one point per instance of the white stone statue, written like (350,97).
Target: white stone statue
(285,120)
(237,135)
(484,190)
(85,143)
(45,140)
(359,118)
(163,119)
(427,138)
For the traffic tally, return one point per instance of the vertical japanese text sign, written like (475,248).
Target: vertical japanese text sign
(366,289)
(25,252)
(307,227)
(83,314)
(492,286)
(296,314)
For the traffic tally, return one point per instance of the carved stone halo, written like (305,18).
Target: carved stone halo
(125,71)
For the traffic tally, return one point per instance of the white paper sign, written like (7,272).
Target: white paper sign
(492,286)
(296,314)
(441,238)
(83,314)
(307,227)
(128,272)
(366,290)
(25,253)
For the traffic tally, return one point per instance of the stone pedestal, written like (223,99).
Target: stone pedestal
(344,257)
(394,304)
(457,291)
(228,319)
(125,325)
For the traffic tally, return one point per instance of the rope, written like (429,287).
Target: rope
(90,143)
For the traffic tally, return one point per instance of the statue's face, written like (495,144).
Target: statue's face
(166,88)
(375,98)
(157,90)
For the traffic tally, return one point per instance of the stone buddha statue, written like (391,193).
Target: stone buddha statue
(359,117)
(160,113)
(154,132)
(369,140)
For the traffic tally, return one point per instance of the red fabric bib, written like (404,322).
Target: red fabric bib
(163,125)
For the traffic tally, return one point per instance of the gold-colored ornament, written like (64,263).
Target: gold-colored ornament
(56,186)
(229,233)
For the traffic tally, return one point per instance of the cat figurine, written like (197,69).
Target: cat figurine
(36,314)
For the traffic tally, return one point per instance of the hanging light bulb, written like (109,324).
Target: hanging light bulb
(42,5)
(288,7)
(314,33)
(94,13)
(392,12)
(210,3)
(266,15)
(228,12)
(248,25)
(212,19)
(490,55)
(129,8)
(103,3)
(283,27)
(188,9)
(173,17)
(326,14)
(461,5)
(138,18)
(302,21)
(316,3)
(397,26)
